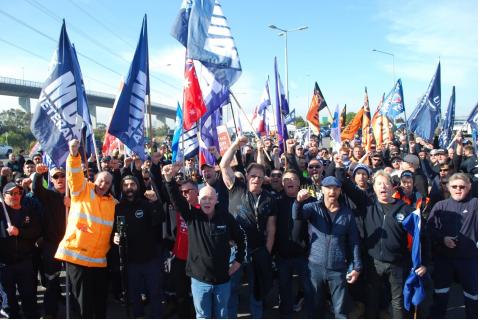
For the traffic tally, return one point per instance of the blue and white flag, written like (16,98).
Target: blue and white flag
(183,146)
(425,118)
(282,132)
(393,105)
(447,128)
(289,118)
(472,120)
(56,120)
(413,291)
(335,130)
(127,122)
(262,111)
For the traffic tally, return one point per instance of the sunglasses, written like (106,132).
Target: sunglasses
(314,167)
(444,170)
(13,194)
(57,176)
(186,191)
(254,176)
(458,187)
(276,175)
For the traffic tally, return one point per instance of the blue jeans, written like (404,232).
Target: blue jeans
(145,276)
(210,300)
(317,277)
(256,306)
(286,270)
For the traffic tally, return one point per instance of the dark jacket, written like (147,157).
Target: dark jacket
(53,219)
(333,243)
(208,240)
(455,219)
(143,220)
(18,248)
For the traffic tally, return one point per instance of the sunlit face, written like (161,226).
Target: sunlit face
(28,169)
(459,189)
(406,183)
(276,179)
(37,159)
(396,164)
(451,153)
(103,183)
(442,158)
(291,184)
(129,188)
(58,180)
(299,151)
(331,193)
(255,179)
(207,198)
(190,192)
(13,198)
(357,152)
(209,175)
(444,171)
(315,169)
(383,189)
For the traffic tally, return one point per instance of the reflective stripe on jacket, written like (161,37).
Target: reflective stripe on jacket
(90,221)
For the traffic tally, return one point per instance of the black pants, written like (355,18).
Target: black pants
(185,309)
(90,287)
(395,274)
(20,275)
(51,275)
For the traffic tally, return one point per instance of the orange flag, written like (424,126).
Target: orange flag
(381,126)
(367,135)
(316,105)
(349,132)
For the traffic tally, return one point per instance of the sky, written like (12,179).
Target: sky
(335,50)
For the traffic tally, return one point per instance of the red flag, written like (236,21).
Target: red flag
(194,106)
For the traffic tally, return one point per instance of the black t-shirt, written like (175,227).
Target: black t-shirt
(252,212)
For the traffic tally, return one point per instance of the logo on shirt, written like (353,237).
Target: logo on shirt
(400,217)
(26,220)
(139,214)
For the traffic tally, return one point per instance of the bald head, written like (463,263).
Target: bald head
(103,182)
(208,199)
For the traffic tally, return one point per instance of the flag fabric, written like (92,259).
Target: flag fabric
(128,118)
(194,106)
(316,105)
(351,130)
(380,125)
(425,117)
(335,130)
(56,121)
(447,128)
(282,132)
(261,111)
(472,120)
(393,105)
(289,118)
(367,134)
(202,28)
(343,117)
(178,132)
(413,290)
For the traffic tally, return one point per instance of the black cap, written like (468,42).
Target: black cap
(9,187)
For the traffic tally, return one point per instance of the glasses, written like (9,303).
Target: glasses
(185,191)
(444,170)
(276,175)
(314,167)
(458,187)
(254,177)
(13,194)
(58,176)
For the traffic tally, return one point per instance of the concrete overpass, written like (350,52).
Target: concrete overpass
(26,90)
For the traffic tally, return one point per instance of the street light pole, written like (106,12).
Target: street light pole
(284,32)
(393,61)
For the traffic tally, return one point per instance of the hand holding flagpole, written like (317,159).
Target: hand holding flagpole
(7,217)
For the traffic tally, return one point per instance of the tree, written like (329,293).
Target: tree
(350,116)
(299,122)
(15,120)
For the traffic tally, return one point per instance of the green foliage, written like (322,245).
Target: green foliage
(350,116)
(299,122)
(15,128)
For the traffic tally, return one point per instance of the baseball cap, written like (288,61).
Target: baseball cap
(331,182)
(441,151)
(413,159)
(56,170)
(407,174)
(9,187)
(206,165)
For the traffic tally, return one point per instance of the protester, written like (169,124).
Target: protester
(453,223)
(87,237)
(209,230)
(17,243)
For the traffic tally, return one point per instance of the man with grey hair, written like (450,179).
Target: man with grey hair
(453,224)
(210,231)
(385,241)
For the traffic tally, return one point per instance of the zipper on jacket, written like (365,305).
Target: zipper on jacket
(381,237)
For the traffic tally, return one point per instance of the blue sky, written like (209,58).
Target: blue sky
(335,50)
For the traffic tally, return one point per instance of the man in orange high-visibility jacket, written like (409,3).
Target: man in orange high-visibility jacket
(87,238)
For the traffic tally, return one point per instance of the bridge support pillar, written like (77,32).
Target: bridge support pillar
(24,102)
(162,119)
(93,115)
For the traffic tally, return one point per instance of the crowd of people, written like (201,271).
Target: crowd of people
(325,226)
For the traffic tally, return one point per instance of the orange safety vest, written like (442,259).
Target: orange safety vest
(90,221)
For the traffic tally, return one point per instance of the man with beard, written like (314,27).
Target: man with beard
(143,215)
(333,242)
(213,179)
(255,210)
(453,223)
(291,244)
(53,224)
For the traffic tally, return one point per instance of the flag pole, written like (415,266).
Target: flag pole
(96,152)
(250,123)
(149,106)
(233,116)
(67,282)
(7,217)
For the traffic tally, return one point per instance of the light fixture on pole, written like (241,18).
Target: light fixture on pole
(284,32)
(393,61)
